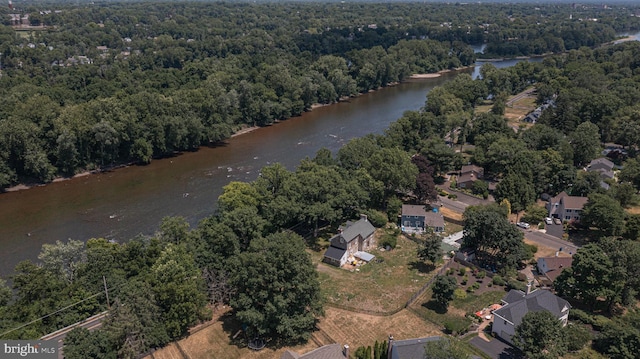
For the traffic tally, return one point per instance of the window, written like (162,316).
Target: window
(567,218)
(568,211)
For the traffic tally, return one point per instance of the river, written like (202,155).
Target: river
(126,202)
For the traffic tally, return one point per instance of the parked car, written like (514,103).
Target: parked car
(557,221)
(548,220)
(523,225)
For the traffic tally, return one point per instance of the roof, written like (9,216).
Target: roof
(560,196)
(413,210)
(472,168)
(334,253)
(513,296)
(367,257)
(555,266)
(352,229)
(535,301)
(604,172)
(556,262)
(467,177)
(434,219)
(601,163)
(331,351)
(410,348)
(574,202)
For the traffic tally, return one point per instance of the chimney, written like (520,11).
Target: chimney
(529,283)
(363,216)
(345,351)
(390,343)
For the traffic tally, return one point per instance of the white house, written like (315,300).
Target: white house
(565,207)
(517,304)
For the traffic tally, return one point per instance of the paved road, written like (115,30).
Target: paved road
(453,205)
(549,241)
(58,336)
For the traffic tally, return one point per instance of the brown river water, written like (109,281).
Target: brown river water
(121,204)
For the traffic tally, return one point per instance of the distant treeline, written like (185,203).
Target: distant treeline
(114,83)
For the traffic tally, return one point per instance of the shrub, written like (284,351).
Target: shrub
(389,240)
(580,315)
(497,280)
(480,275)
(490,284)
(457,326)
(471,289)
(459,294)
(462,270)
(377,218)
(476,285)
(514,284)
(577,336)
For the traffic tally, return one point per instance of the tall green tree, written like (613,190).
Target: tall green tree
(604,213)
(443,289)
(585,141)
(540,336)
(496,241)
(445,348)
(278,292)
(179,290)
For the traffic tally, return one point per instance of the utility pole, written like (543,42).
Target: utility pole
(106,292)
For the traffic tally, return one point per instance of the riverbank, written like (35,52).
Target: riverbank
(242,131)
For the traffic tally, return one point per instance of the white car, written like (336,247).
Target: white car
(548,220)
(523,225)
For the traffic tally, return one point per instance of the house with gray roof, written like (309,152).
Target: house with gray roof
(352,237)
(416,219)
(604,167)
(409,348)
(331,351)
(565,207)
(517,304)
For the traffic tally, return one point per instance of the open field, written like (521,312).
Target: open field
(377,286)
(338,326)
(515,111)
(448,213)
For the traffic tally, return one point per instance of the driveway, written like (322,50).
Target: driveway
(496,349)
(556,230)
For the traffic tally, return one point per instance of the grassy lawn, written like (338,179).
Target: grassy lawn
(457,308)
(377,286)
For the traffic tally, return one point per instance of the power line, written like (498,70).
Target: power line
(58,311)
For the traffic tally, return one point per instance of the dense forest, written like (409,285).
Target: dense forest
(90,86)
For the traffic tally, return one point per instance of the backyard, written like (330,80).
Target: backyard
(381,286)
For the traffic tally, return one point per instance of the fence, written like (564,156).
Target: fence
(428,284)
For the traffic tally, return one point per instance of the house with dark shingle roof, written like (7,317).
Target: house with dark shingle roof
(351,238)
(551,267)
(409,348)
(565,207)
(604,167)
(468,175)
(517,304)
(416,218)
(331,351)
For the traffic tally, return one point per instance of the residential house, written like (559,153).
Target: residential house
(551,267)
(353,237)
(565,207)
(516,304)
(468,175)
(416,218)
(604,167)
(330,351)
(409,348)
